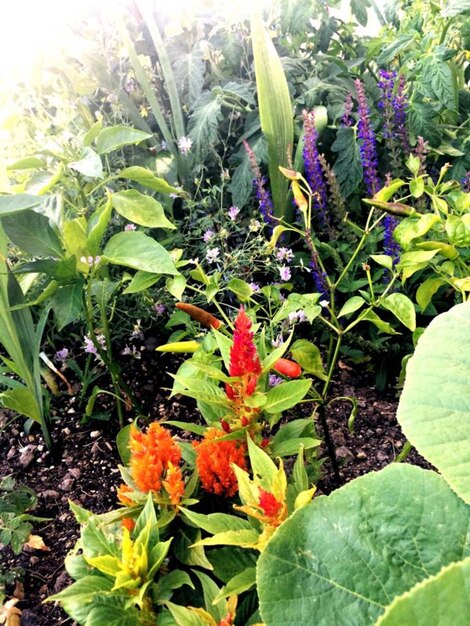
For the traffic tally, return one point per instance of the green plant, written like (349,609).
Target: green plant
(389,520)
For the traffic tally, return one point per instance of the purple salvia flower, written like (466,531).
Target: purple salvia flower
(319,277)
(466,182)
(391,247)
(260,183)
(400,106)
(313,169)
(348,107)
(367,146)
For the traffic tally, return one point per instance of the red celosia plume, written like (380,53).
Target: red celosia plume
(244,359)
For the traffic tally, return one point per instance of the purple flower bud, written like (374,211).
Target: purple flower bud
(367,146)
(313,169)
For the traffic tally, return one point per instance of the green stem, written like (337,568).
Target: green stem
(404,453)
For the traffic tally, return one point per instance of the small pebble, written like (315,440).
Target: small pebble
(94,434)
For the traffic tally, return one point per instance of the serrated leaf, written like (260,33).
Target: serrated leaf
(204,123)
(347,167)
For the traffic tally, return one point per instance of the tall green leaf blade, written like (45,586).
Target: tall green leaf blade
(434,408)
(438,600)
(276,113)
(359,548)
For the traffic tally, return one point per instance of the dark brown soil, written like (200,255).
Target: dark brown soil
(84,468)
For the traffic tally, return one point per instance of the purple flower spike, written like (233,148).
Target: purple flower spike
(367,146)
(261,186)
(313,168)
(391,247)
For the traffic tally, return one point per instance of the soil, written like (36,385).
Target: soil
(84,467)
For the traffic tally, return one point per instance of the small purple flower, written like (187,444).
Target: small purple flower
(159,308)
(254,287)
(62,355)
(284,254)
(276,343)
(466,182)
(130,227)
(212,254)
(297,316)
(90,347)
(208,235)
(367,146)
(134,352)
(184,145)
(137,331)
(274,380)
(233,212)
(284,272)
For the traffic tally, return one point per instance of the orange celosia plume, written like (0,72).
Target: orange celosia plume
(244,359)
(155,457)
(214,459)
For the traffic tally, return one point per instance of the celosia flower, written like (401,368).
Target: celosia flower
(270,506)
(367,147)
(244,359)
(128,523)
(121,494)
(214,459)
(151,455)
(174,484)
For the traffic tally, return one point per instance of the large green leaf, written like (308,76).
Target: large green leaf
(116,137)
(275,110)
(434,409)
(343,558)
(18,202)
(286,395)
(141,209)
(437,601)
(137,250)
(31,232)
(67,303)
(147,178)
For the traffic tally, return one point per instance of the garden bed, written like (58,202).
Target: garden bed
(84,468)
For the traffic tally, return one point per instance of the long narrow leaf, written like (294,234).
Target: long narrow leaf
(276,113)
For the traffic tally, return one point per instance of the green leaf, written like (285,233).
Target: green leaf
(22,401)
(238,584)
(286,395)
(230,561)
(240,288)
(116,137)
(147,178)
(438,600)
(111,615)
(31,232)
(141,281)
(292,447)
(384,260)
(141,209)
(176,286)
(308,356)
(264,469)
(17,203)
(458,230)
(216,522)
(97,225)
(275,110)
(388,191)
(434,408)
(137,250)
(379,323)
(83,590)
(353,304)
(360,547)
(438,81)
(427,290)
(122,443)
(347,167)
(28,163)
(89,165)
(67,303)
(411,228)
(359,9)
(244,538)
(402,307)
(184,616)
